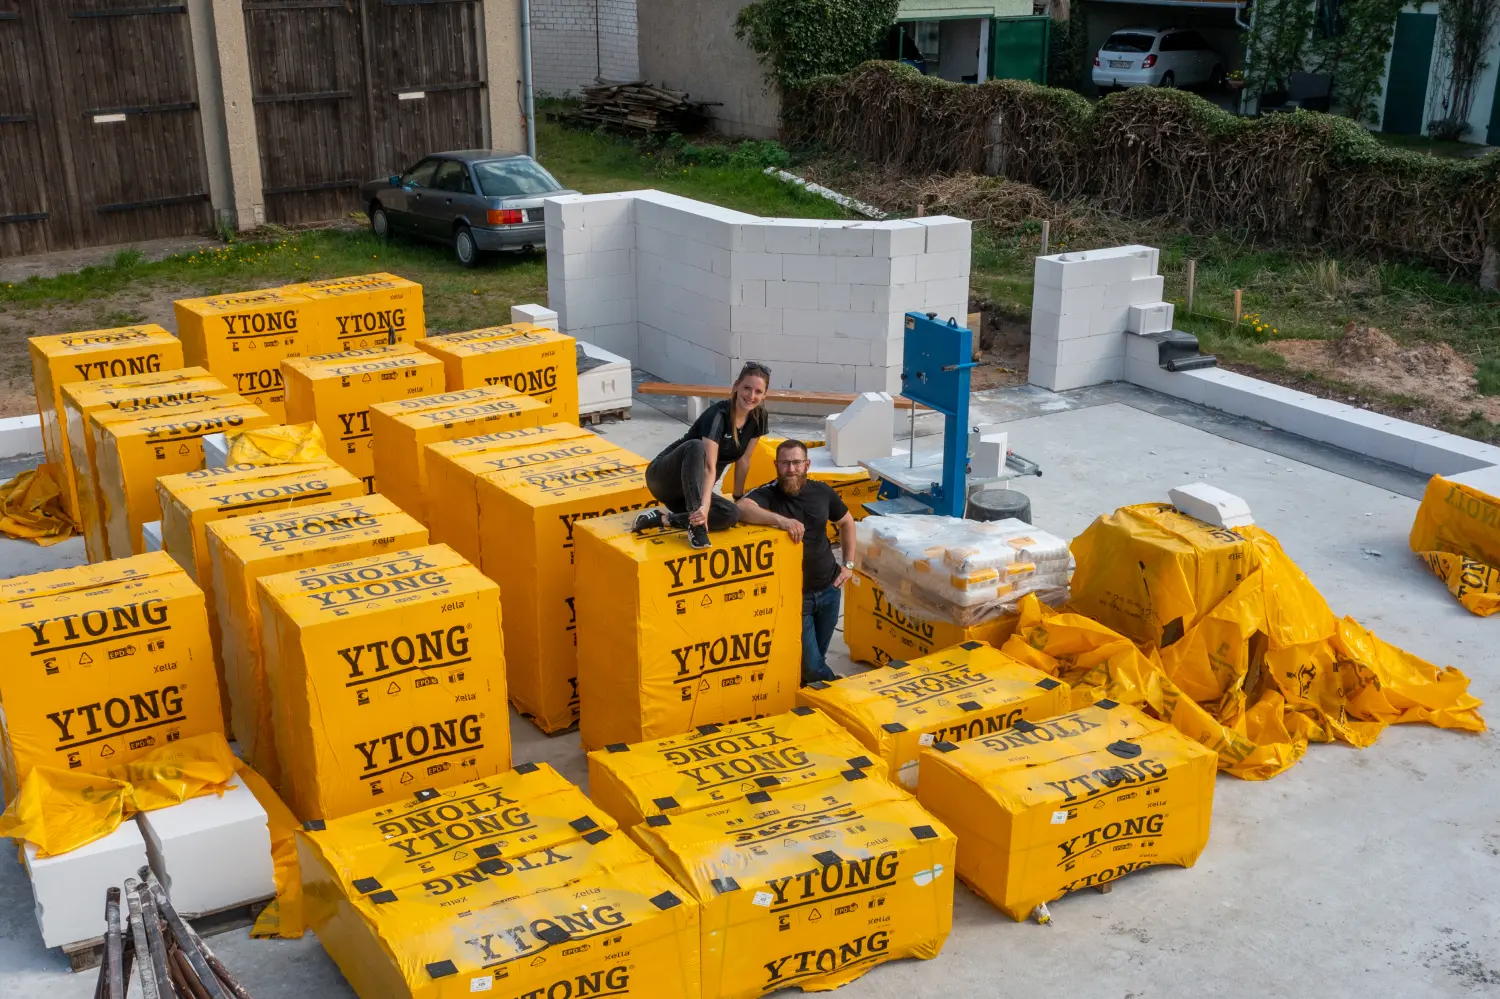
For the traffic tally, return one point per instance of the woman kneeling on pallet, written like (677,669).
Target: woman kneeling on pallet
(683,476)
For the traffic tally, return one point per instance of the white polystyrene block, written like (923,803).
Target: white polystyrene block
(863,430)
(863,270)
(791,294)
(537,315)
(151,534)
(945,233)
(987,452)
(69,889)
(1211,505)
(846,241)
(215,451)
(1136,291)
(1068,301)
(212,852)
(1153,318)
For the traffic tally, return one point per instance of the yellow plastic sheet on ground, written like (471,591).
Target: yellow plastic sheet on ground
(278,445)
(1457,533)
(62,810)
(284,917)
(1257,673)
(31,507)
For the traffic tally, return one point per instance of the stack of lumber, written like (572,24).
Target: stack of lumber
(638,108)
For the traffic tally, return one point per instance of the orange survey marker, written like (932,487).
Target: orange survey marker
(243,338)
(401,431)
(243,549)
(878,632)
(105,663)
(365,310)
(66,358)
(810,886)
(386,672)
(949,696)
(1070,802)
(528,522)
(533,360)
(132,394)
(454,467)
(133,450)
(717,763)
(671,637)
(336,391)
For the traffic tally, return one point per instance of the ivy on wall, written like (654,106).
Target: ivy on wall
(1279,40)
(797,40)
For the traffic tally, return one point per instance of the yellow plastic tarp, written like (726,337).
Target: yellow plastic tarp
(1257,673)
(31,507)
(1457,533)
(278,445)
(284,917)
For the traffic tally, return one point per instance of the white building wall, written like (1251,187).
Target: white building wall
(690,291)
(574,43)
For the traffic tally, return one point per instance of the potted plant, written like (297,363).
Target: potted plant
(1235,80)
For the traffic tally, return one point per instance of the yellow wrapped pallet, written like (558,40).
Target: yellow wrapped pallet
(244,337)
(851,482)
(1074,801)
(528,519)
(592,917)
(877,632)
(104,663)
(385,672)
(717,763)
(243,549)
(454,468)
(130,395)
(133,450)
(67,358)
(336,391)
(401,431)
(435,841)
(532,360)
(671,637)
(1457,533)
(810,886)
(365,310)
(959,693)
(1149,572)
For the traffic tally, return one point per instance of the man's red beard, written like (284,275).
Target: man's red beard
(791,484)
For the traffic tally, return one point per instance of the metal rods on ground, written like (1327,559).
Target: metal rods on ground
(171,960)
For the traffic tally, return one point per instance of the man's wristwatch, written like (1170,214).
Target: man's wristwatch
(849,565)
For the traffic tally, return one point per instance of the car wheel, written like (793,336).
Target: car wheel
(380,223)
(464,247)
(1216,78)
(1168,80)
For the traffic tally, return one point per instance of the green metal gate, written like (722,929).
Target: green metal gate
(1018,48)
(1411,65)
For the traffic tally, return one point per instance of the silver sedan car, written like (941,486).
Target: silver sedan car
(476,200)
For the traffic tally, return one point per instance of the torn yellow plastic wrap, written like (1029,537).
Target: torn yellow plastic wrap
(1457,533)
(1257,672)
(282,444)
(31,507)
(284,917)
(62,810)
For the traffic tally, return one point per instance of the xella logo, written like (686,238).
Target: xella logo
(783,971)
(701,570)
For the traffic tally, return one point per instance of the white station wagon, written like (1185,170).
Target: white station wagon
(1157,57)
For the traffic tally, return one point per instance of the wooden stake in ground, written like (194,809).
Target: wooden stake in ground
(1192,283)
(1046,237)
(1237,301)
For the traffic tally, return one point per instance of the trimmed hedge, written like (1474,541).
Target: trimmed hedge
(1303,177)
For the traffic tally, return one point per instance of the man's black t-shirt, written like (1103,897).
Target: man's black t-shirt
(815,506)
(716,424)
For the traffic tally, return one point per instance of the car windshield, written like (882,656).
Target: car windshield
(515,177)
(1127,41)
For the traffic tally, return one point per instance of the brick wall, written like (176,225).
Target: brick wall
(567,53)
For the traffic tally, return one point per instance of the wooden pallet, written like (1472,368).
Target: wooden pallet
(85,955)
(593,419)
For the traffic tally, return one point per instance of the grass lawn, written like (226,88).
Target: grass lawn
(1430,146)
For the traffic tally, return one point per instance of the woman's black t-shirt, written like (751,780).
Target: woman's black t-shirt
(716,424)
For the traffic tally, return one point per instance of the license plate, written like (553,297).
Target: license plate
(1119,64)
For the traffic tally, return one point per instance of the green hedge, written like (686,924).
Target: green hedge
(1307,178)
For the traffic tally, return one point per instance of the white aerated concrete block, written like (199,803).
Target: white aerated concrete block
(1078,351)
(1062,377)
(1136,291)
(945,233)
(211,852)
(1211,505)
(1485,480)
(1051,326)
(863,270)
(846,241)
(69,889)
(863,431)
(151,533)
(1068,301)
(1153,318)
(537,315)
(215,451)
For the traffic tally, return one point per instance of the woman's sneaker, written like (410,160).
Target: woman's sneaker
(655,517)
(698,536)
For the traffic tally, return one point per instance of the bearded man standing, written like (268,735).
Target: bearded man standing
(804,509)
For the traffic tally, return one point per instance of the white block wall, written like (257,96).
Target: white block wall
(689,291)
(574,43)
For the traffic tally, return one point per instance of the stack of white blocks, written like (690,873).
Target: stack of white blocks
(863,431)
(689,291)
(536,315)
(212,852)
(1081,307)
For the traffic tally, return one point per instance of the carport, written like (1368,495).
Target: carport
(1220,22)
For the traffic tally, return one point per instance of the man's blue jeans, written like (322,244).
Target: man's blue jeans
(820,615)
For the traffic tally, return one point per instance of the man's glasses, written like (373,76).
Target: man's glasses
(791,462)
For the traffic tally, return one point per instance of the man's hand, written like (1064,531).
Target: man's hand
(843,576)
(699,516)
(794,528)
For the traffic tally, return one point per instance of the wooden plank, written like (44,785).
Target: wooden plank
(839,399)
